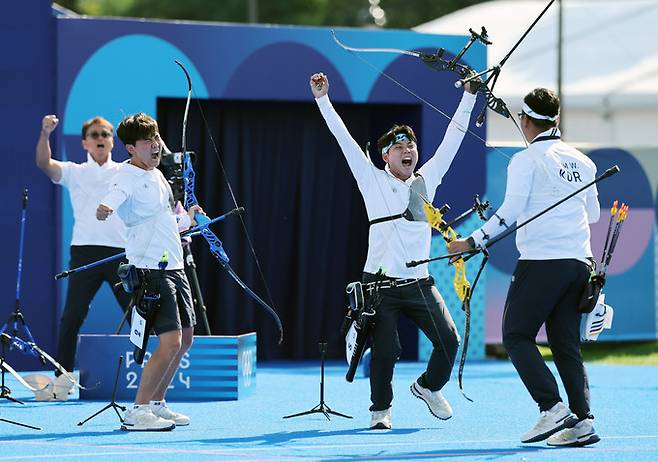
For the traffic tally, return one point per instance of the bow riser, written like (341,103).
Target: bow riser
(435,219)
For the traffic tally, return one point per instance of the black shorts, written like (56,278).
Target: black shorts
(175,309)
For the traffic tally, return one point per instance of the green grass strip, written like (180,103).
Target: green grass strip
(629,353)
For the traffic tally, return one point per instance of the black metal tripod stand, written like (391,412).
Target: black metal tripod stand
(5,392)
(13,422)
(112,404)
(322,407)
(202,328)
(16,316)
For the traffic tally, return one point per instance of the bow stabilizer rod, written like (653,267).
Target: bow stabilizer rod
(468,254)
(190,232)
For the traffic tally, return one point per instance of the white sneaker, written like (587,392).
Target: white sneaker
(437,404)
(380,420)
(141,418)
(555,419)
(581,434)
(160,409)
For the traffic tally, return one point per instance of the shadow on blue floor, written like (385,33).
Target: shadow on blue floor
(624,403)
(490,453)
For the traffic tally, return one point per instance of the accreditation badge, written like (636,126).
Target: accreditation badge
(137,328)
(350,343)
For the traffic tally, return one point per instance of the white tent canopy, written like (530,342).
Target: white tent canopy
(610,64)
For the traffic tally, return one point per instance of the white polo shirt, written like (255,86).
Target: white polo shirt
(391,244)
(142,199)
(537,177)
(88,183)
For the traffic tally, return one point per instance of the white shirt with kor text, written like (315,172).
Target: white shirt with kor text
(538,177)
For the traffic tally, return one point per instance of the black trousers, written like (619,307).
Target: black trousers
(548,291)
(426,308)
(82,287)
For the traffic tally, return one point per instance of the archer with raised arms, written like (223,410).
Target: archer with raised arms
(393,241)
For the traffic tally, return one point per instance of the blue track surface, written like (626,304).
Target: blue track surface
(624,399)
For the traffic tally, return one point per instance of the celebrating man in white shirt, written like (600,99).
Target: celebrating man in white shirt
(552,270)
(92,240)
(143,199)
(393,241)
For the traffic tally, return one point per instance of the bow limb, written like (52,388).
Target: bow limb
(416,54)
(217,250)
(187,106)
(437,62)
(4,365)
(467,333)
(466,306)
(253,295)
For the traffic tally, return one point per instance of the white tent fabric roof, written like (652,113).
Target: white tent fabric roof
(610,51)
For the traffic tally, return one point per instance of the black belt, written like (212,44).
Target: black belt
(388,218)
(392,283)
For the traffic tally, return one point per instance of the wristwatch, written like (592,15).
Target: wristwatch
(470,241)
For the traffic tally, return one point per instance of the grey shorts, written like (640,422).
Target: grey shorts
(175,309)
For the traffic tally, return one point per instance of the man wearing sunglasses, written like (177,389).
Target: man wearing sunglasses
(92,240)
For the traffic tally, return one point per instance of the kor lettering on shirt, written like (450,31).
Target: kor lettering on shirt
(570,172)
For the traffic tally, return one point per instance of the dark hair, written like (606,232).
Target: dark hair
(389,137)
(139,126)
(98,120)
(545,102)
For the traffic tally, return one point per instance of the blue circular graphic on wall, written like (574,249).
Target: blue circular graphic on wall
(136,70)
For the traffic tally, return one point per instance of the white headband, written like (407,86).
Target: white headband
(399,137)
(526,109)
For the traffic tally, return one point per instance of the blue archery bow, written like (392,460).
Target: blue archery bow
(215,245)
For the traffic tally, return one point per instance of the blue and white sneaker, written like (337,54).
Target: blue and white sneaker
(141,419)
(581,434)
(552,421)
(439,406)
(160,409)
(380,420)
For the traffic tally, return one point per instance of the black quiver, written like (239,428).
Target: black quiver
(361,314)
(146,306)
(591,292)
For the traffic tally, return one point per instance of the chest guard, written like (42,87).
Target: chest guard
(414,210)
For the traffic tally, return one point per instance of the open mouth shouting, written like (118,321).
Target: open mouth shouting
(155,155)
(407,161)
